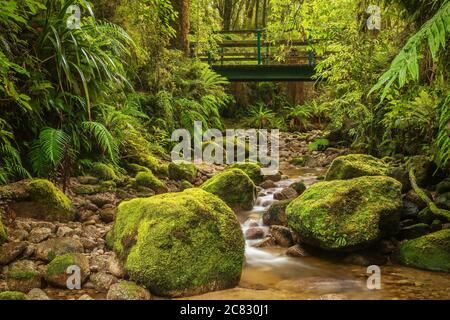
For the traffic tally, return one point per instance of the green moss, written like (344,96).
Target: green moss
(55,205)
(180,243)
(429,252)
(276,215)
(103,171)
(148,179)
(13,295)
(85,189)
(108,185)
(234,187)
(346,214)
(253,170)
(3,235)
(320,144)
(356,165)
(186,185)
(60,264)
(182,171)
(299,161)
(109,240)
(134,168)
(298,186)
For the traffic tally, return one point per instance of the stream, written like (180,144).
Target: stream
(270,274)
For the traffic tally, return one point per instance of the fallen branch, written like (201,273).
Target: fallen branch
(423,196)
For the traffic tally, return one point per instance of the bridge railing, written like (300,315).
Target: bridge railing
(236,51)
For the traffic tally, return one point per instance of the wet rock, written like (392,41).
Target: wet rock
(285,194)
(10,251)
(276,214)
(102,281)
(414,231)
(409,210)
(297,251)
(23,276)
(39,234)
(102,199)
(282,236)
(37,294)
(347,215)
(127,290)
(49,249)
(267,242)
(267,184)
(273,177)
(427,252)
(254,233)
(443,201)
(107,213)
(57,275)
(299,187)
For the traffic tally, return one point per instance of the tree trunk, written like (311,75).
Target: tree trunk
(181,26)
(227,12)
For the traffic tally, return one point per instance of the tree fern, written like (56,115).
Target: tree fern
(405,66)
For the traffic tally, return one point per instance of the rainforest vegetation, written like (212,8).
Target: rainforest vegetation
(91,91)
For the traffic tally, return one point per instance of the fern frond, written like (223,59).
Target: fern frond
(104,138)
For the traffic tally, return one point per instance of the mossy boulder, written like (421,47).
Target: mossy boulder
(127,290)
(179,244)
(45,201)
(103,171)
(182,171)
(83,189)
(234,187)
(56,273)
(253,170)
(430,252)
(3,234)
(276,215)
(347,214)
(356,165)
(13,295)
(149,180)
(23,276)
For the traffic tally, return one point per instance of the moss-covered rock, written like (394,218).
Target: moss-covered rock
(148,179)
(83,189)
(179,244)
(443,201)
(414,231)
(253,170)
(356,165)
(182,171)
(347,214)
(185,185)
(23,276)
(431,252)
(13,295)
(299,161)
(234,187)
(47,201)
(299,187)
(127,290)
(443,187)
(56,273)
(103,171)
(3,234)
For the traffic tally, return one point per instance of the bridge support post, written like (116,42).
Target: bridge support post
(259,45)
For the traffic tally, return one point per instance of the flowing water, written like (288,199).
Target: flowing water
(270,274)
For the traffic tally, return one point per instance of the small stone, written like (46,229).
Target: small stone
(64,231)
(102,281)
(49,249)
(267,184)
(23,276)
(18,235)
(285,194)
(282,235)
(85,297)
(37,294)
(107,213)
(39,234)
(127,290)
(297,251)
(254,233)
(10,251)
(267,242)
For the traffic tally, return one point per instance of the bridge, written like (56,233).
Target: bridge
(254,60)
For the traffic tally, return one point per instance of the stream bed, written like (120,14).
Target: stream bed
(270,274)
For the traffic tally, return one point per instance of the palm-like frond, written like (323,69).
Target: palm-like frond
(103,137)
(405,66)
